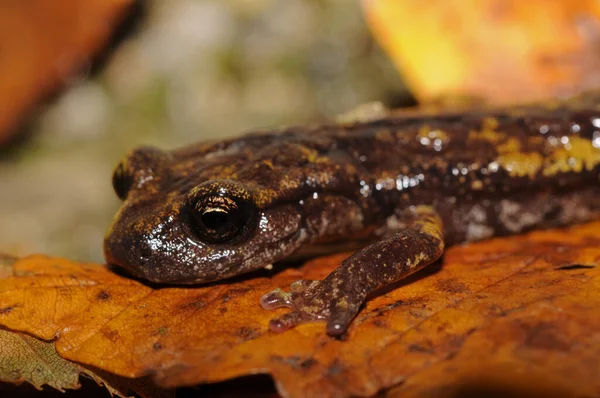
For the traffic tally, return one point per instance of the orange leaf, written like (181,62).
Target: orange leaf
(527,303)
(43,42)
(501,50)
(27,359)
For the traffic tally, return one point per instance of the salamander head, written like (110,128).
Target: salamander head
(187,217)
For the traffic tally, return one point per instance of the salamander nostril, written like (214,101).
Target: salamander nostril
(144,255)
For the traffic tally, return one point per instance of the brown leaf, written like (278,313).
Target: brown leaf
(504,51)
(43,42)
(119,386)
(528,303)
(27,359)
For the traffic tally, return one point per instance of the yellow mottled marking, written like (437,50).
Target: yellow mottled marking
(510,155)
(490,123)
(519,164)
(439,134)
(418,259)
(428,136)
(268,163)
(322,159)
(576,156)
(263,197)
(424,131)
(477,185)
(429,222)
(510,145)
(490,135)
(309,154)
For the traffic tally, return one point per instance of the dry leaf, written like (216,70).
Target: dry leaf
(27,359)
(43,42)
(528,303)
(501,50)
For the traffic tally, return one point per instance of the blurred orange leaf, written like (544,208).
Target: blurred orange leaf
(501,50)
(42,43)
(527,303)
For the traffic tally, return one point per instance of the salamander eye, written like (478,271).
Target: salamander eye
(121,181)
(221,210)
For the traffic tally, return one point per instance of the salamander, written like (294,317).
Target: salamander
(404,185)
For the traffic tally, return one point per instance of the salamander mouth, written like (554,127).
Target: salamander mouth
(247,265)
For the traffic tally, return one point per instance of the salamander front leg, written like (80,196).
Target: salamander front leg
(337,298)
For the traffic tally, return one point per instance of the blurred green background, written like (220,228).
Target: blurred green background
(191,70)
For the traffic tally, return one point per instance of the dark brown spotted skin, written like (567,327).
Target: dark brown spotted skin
(408,182)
